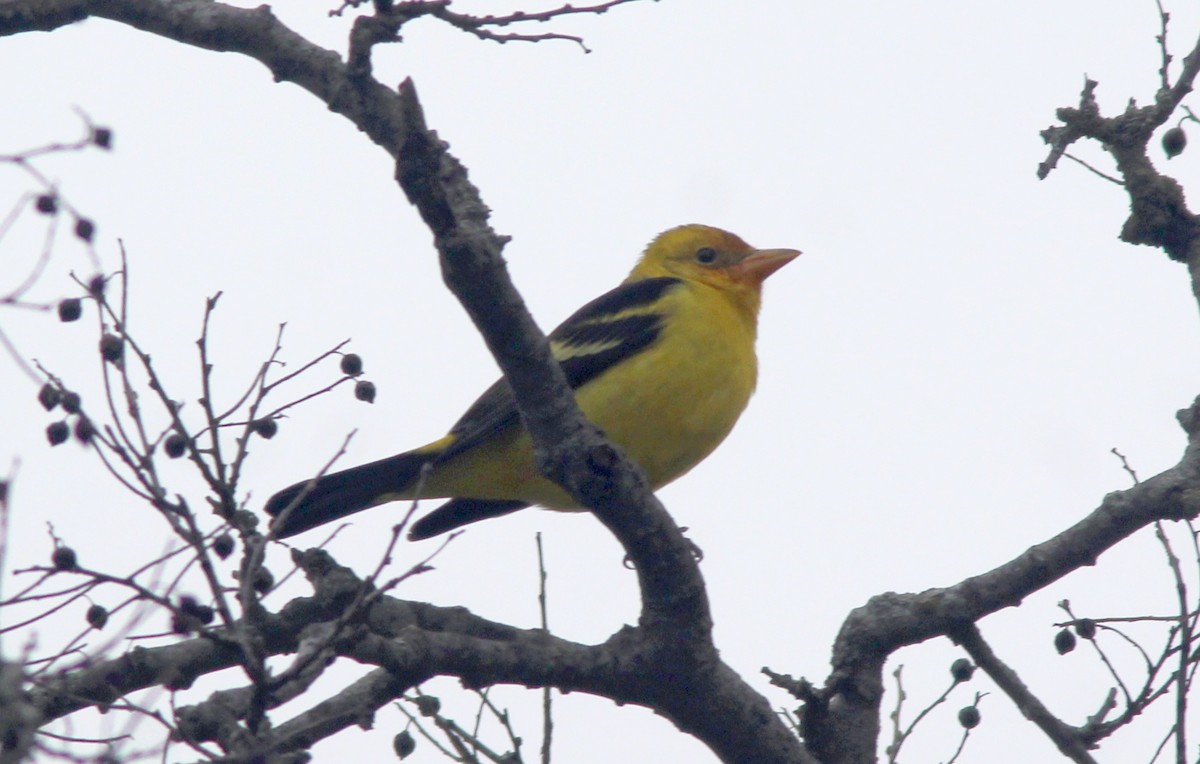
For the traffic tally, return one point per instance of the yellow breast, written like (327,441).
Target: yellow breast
(667,407)
(671,405)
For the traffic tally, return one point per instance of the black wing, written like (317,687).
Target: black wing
(598,336)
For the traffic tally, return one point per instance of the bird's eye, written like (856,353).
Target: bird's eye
(706,255)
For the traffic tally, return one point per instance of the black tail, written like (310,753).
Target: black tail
(334,496)
(458,512)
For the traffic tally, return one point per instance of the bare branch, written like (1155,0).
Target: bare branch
(851,696)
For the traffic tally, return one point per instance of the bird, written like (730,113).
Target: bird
(664,364)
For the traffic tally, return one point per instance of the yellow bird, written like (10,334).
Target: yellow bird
(664,364)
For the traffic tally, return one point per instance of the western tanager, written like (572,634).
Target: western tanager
(664,364)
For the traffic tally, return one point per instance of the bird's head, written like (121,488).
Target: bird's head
(711,256)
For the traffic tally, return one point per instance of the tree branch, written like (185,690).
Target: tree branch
(850,701)
(412,642)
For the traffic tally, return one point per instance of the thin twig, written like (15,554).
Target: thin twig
(547,717)
(1185,644)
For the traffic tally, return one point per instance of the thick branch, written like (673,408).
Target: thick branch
(413,642)
(252,32)
(353,706)
(850,699)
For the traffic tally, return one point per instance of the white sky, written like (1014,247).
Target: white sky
(943,372)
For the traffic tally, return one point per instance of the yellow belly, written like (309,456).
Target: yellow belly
(667,408)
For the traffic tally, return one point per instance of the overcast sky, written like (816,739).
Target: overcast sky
(943,372)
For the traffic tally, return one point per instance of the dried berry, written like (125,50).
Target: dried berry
(85,229)
(968,717)
(64,558)
(1174,141)
(1085,628)
(364,391)
(58,432)
(263,581)
(404,744)
(222,546)
(112,348)
(102,137)
(71,402)
(265,427)
(96,285)
(97,616)
(962,669)
(70,309)
(352,364)
(84,430)
(427,705)
(189,607)
(47,204)
(48,396)
(175,445)
(1064,642)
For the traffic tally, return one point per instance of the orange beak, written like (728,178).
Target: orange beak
(762,263)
